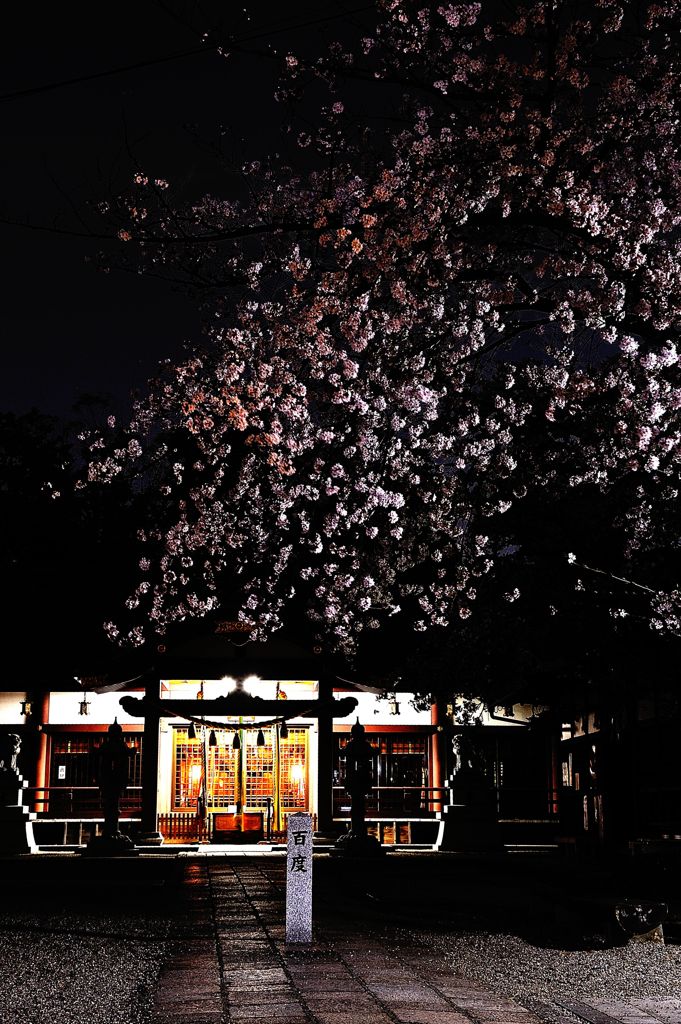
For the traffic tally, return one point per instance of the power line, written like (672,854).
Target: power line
(62,83)
(208,48)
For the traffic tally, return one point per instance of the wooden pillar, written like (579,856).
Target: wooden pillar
(555,770)
(437,754)
(41,769)
(325,759)
(149,834)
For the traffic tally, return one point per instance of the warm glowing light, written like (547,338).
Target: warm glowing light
(195,773)
(298,777)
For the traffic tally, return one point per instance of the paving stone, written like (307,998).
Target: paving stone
(248,984)
(666,1010)
(341,978)
(173,1000)
(177,993)
(188,1014)
(268,960)
(277,992)
(446,983)
(312,952)
(190,1017)
(289,1018)
(318,964)
(265,1011)
(483,1001)
(507,1017)
(625,1011)
(392,975)
(514,1010)
(231,935)
(182,975)
(350,1018)
(253,997)
(256,940)
(322,978)
(406,993)
(414,1016)
(330,985)
(255,976)
(360,1005)
(201,949)
(586,1012)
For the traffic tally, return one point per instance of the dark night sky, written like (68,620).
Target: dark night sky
(67,329)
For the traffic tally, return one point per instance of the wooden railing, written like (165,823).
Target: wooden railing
(394,801)
(78,801)
(249,827)
(184,827)
(418,802)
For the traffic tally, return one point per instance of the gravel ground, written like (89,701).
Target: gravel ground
(78,968)
(515,968)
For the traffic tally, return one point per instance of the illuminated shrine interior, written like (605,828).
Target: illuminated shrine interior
(246,775)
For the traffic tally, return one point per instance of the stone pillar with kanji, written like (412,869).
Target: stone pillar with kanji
(299,878)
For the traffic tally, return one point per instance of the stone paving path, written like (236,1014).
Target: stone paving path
(233,965)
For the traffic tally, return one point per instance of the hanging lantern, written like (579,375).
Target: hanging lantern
(26,708)
(283,730)
(191,731)
(260,739)
(394,705)
(212,739)
(84,706)
(236,742)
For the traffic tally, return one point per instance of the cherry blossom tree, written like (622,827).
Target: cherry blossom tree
(459,290)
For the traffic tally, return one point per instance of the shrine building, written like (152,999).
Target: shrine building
(227,738)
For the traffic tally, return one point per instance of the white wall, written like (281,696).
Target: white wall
(104,707)
(372,711)
(165,765)
(10,707)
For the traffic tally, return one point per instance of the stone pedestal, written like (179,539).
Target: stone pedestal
(359,845)
(148,839)
(16,828)
(641,920)
(470,815)
(111,846)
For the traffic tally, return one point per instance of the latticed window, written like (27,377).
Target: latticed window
(221,762)
(188,771)
(74,758)
(293,770)
(408,745)
(74,771)
(259,769)
(247,776)
(223,765)
(401,759)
